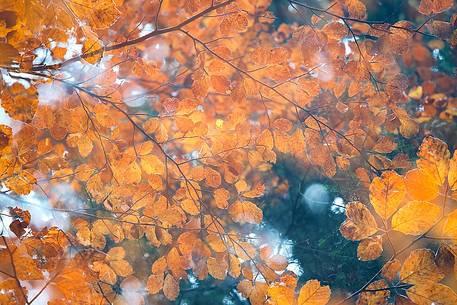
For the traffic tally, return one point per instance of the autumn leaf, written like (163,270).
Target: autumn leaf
(450,226)
(312,293)
(21,183)
(420,268)
(151,164)
(370,248)
(428,7)
(245,212)
(234,23)
(5,137)
(231,104)
(434,158)
(452,175)
(434,293)
(19,102)
(155,283)
(217,268)
(359,224)
(386,193)
(421,185)
(106,273)
(391,269)
(416,217)
(221,197)
(98,14)
(7,54)
(20,222)
(12,292)
(377,293)
(170,287)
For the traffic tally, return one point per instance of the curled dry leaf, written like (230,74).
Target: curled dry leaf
(359,224)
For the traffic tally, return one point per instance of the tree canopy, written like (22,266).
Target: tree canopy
(291,152)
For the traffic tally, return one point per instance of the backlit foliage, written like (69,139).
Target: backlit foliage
(162,120)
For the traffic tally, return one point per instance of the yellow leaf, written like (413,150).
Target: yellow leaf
(386,193)
(312,293)
(420,268)
(159,265)
(416,217)
(245,288)
(438,294)
(359,224)
(99,14)
(105,273)
(11,293)
(428,7)
(20,103)
(121,267)
(265,139)
(256,191)
(283,125)
(434,156)
(85,146)
(420,185)
(91,43)
(378,295)
(235,267)
(175,263)
(450,227)
(21,183)
(416,93)
(151,164)
(216,242)
(281,293)
(127,173)
(234,23)
(190,206)
(452,174)
(245,212)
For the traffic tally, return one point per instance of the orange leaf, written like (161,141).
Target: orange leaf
(8,53)
(428,7)
(420,185)
(416,217)
(420,268)
(359,224)
(105,272)
(155,283)
(386,193)
(245,212)
(312,293)
(370,248)
(99,14)
(170,287)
